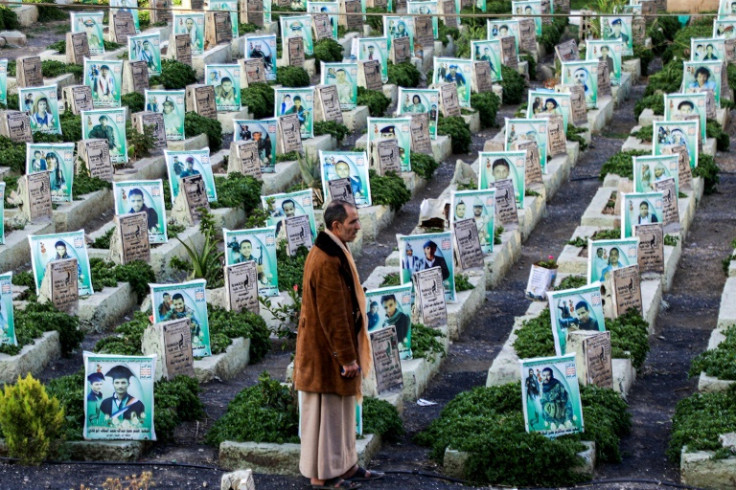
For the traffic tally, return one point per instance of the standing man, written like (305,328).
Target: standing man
(332,351)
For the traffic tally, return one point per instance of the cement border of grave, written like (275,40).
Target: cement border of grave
(703,470)
(97,450)
(226,120)
(621,91)
(149,168)
(472,119)
(162,254)
(281,459)
(441,146)
(33,358)
(70,216)
(523,69)
(286,174)
(598,118)
(312,146)
(226,365)
(356,119)
(216,55)
(27,14)
(111,55)
(16,251)
(632,66)
(647,117)
(726,318)
(189,143)
(104,309)
(454,461)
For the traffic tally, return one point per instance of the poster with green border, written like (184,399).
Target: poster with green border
(500,165)
(682,107)
(585,74)
(288,205)
(263,132)
(332,9)
(299,101)
(521,130)
(458,70)
(419,101)
(640,208)
(297,26)
(488,50)
(185,163)
(91,23)
(530,7)
(2,213)
(345,77)
(544,102)
(575,309)
(372,48)
(170,103)
(672,133)
(650,169)
(7,318)
(108,124)
(352,165)
(398,128)
(263,47)
(258,245)
(395,26)
(481,205)
(42,105)
(232,6)
(58,160)
(609,51)
(389,306)
(136,196)
(703,75)
(615,28)
(184,300)
(129,6)
(193,24)
(146,47)
(226,80)
(105,78)
(605,256)
(426,251)
(502,28)
(59,246)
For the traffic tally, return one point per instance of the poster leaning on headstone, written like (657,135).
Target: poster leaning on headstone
(500,165)
(105,78)
(42,104)
(136,196)
(686,107)
(425,251)
(259,245)
(263,47)
(669,134)
(521,130)
(288,205)
(119,397)
(109,125)
(263,132)
(392,306)
(92,24)
(417,101)
(648,170)
(372,48)
(7,320)
(180,164)
(481,206)
(58,160)
(640,208)
(184,300)
(350,165)
(191,24)
(575,309)
(226,80)
(59,246)
(606,256)
(398,128)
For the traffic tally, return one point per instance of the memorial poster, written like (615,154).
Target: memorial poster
(263,47)
(648,170)
(59,246)
(609,51)
(726,10)
(618,29)
(667,134)
(184,300)
(259,245)
(417,101)
(651,247)
(7,320)
(2,213)
(427,8)
(299,101)
(105,78)
(297,26)
(500,165)
(392,307)
(724,28)
(490,51)
(432,250)
(327,105)
(111,377)
(351,165)
(241,287)
(518,131)
(585,75)
(575,309)
(481,206)
(298,234)
(109,125)
(551,396)
(372,48)
(42,104)
(503,28)
(192,24)
(146,47)
(700,75)
(431,297)
(396,26)
(386,360)
(90,23)
(170,103)
(457,70)
(130,6)
(606,256)
(685,107)
(708,49)
(449,102)
(136,196)
(58,160)
(626,289)
(226,80)
(640,208)
(185,163)
(345,77)
(227,5)
(398,128)
(329,8)
(568,51)
(4,81)
(263,132)
(529,7)
(545,103)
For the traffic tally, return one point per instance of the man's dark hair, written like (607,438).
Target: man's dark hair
(135,192)
(501,162)
(702,70)
(225,79)
(60,243)
(644,203)
(549,370)
(166,294)
(246,241)
(178,296)
(387,297)
(684,103)
(582,304)
(337,210)
(285,201)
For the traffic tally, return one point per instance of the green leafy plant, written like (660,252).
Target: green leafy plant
(621,164)
(571,282)
(327,50)
(719,362)
(457,129)
(375,21)
(376,101)
(333,128)
(443,32)
(8,19)
(238,191)
(37,318)
(290,268)
(403,74)
(662,30)
(390,279)
(425,342)
(127,337)
(487,104)
(234,324)
(292,76)
(196,124)
(205,262)
(139,144)
(644,133)
(53,68)
(259,99)
(708,170)
(513,85)
(135,101)
(177,401)
(497,233)
(671,240)
(574,134)
(31,420)
(462,283)
(246,28)
(423,165)
(14,154)
(389,190)
(668,80)
(104,240)
(176,75)
(535,336)
(714,130)
(629,337)
(382,418)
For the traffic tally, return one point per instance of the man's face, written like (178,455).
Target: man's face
(348,229)
(581,77)
(298,103)
(686,109)
(136,202)
(190,165)
(374,308)
(167,299)
(600,253)
(341,76)
(477,211)
(227,86)
(246,249)
(583,314)
(550,106)
(390,306)
(643,210)
(616,29)
(503,31)
(61,250)
(658,171)
(429,252)
(289,209)
(545,377)
(702,78)
(613,258)
(97,386)
(604,52)
(342,170)
(190,24)
(500,172)
(460,210)
(179,305)
(121,386)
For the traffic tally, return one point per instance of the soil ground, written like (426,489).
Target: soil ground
(687,315)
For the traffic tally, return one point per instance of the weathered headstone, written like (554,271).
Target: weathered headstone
(94,154)
(556,135)
(400,50)
(244,159)
(684,172)
(201,99)
(419,128)
(467,242)
(77,98)
(122,26)
(626,289)
(171,341)
(532,166)
(135,77)
(160,11)
(730,50)
(447,8)
(154,120)
(241,287)
(527,34)
(638,30)
(192,197)
(218,28)
(129,241)
(28,71)
(341,189)
(77,47)
(298,233)
(289,137)
(386,360)
(449,102)
(506,203)
(567,51)
(386,153)
(430,293)
(182,48)
(587,29)
(508,52)
(423,32)
(651,247)
(35,192)
(252,71)
(60,285)
(561,6)
(294,52)
(604,79)
(353,21)
(670,208)
(251,11)
(369,75)
(321,26)
(482,81)
(327,104)
(593,353)
(578,107)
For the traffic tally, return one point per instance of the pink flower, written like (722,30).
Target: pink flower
(551,257)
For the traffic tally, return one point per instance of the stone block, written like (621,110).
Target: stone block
(624,375)
(357,119)
(104,309)
(523,69)
(16,252)
(558,171)
(621,92)
(711,384)
(723,116)
(573,151)
(709,148)
(105,450)
(651,297)
(309,66)
(505,367)
(237,480)
(441,147)
(727,310)
(594,215)
(227,118)
(222,53)
(498,90)
(27,14)
(419,372)
(33,358)
(535,208)
(149,168)
(633,67)
(600,117)
(61,81)
(466,304)
(281,459)
(16,38)
(374,219)
(391,91)
(473,121)
(701,468)
(647,117)
(347,42)
(114,55)
(161,254)
(70,216)
(570,261)
(313,146)
(225,366)
(286,174)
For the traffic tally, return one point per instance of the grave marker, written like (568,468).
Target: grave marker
(289,136)
(241,285)
(420,138)
(430,292)
(651,247)
(327,104)
(60,285)
(129,241)
(77,98)
(244,159)
(467,243)
(155,120)
(135,77)
(201,99)
(28,72)
(77,47)
(298,233)
(386,360)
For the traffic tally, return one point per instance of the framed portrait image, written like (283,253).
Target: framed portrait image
(426,251)
(299,101)
(575,309)
(648,170)
(146,47)
(345,77)
(258,245)
(329,8)
(543,103)
(529,7)
(263,47)
(609,51)
(584,74)
(391,306)
(518,131)
(184,300)
(227,5)
(42,105)
(263,132)
(458,70)
(481,206)
(136,196)
(351,165)
(396,26)
(490,51)
(498,29)
(170,103)
(226,80)
(180,164)
(685,107)
(60,246)
(398,128)
(667,134)
(501,165)
(605,256)
(298,26)
(640,208)
(58,160)
(191,23)
(109,125)
(703,75)
(417,101)
(288,205)
(372,48)
(618,29)
(92,24)
(104,77)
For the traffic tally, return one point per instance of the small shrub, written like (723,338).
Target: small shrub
(571,282)
(462,283)
(53,68)
(621,164)
(14,154)
(8,19)
(531,64)
(390,279)
(403,74)
(176,75)
(339,131)
(654,102)
(290,268)
(574,134)
(719,362)
(668,80)
(389,190)
(127,337)
(375,21)
(513,86)
(233,325)
(44,318)
(259,98)
(327,50)
(196,124)
(487,105)
(708,171)
(246,28)
(31,420)
(238,191)
(104,240)
(457,129)
(84,184)
(382,418)
(713,130)
(135,101)
(425,343)
(292,76)
(629,337)
(423,165)
(376,101)
(71,127)
(177,401)
(645,133)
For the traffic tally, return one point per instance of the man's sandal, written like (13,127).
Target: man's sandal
(361,474)
(337,482)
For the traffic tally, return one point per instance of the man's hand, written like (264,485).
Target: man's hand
(350,370)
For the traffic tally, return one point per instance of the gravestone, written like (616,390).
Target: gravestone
(244,159)
(482,81)
(447,8)
(651,247)
(123,26)
(578,106)
(77,98)
(670,208)
(506,203)
(129,241)
(155,120)
(369,75)
(567,51)
(527,34)
(353,21)
(218,28)
(400,50)
(60,285)
(419,130)
(251,11)
(508,52)
(252,71)
(685,174)
(35,192)
(341,189)
(638,30)
(289,137)
(321,26)
(387,155)
(626,290)
(183,48)
(241,286)
(77,47)
(160,11)
(94,154)
(200,98)
(28,72)
(294,52)
(593,355)
(561,6)
(327,104)
(192,197)
(449,102)
(171,342)
(532,166)
(135,77)
(467,242)
(298,233)
(430,293)
(730,50)
(423,32)
(604,79)
(386,360)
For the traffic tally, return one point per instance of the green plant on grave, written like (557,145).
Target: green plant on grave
(403,74)
(621,164)
(390,279)
(8,19)
(654,102)
(126,340)
(473,33)
(663,30)
(194,124)
(45,318)
(629,337)
(134,101)
(31,421)
(713,129)
(292,76)
(531,65)
(462,283)
(513,85)
(535,337)
(423,165)
(388,190)
(708,170)
(382,418)
(53,69)
(497,235)
(645,133)
(668,80)
(487,104)
(240,324)
(444,31)
(205,262)
(246,29)
(425,343)
(571,282)
(238,191)
(176,75)
(671,240)
(259,99)
(375,21)
(177,401)
(327,50)
(457,129)
(70,391)
(375,100)
(719,362)
(645,56)
(333,128)
(574,134)
(139,144)
(14,155)
(680,45)
(104,240)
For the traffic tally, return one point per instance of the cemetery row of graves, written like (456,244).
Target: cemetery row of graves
(214,139)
